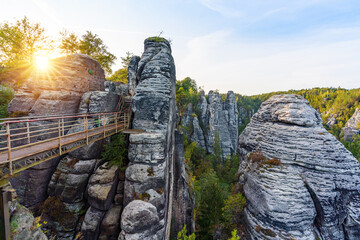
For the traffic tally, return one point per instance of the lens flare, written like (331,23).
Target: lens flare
(42,62)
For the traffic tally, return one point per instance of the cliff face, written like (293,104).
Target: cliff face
(299,181)
(352,126)
(217,117)
(151,153)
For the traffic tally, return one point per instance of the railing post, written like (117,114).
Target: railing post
(104,127)
(63,127)
(8,138)
(59,130)
(86,129)
(116,125)
(28,132)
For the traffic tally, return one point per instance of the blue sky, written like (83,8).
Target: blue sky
(248,46)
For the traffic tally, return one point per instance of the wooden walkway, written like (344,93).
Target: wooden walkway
(54,143)
(26,142)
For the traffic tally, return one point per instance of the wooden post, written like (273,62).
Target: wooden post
(28,132)
(9,146)
(5,196)
(59,128)
(86,129)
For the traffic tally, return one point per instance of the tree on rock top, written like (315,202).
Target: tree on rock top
(90,44)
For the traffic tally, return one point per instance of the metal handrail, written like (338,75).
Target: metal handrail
(51,117)
(52,128)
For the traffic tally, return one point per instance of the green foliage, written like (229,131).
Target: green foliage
(6,94)
(119,76)
(90,44)
(338,102)
(210,195)
(186,92)
(233,210)
(69,42)
(156,39)
(182,235)
(115,152)
(13,226)
(19,42)
(354,147)
(126,60)
(234,235)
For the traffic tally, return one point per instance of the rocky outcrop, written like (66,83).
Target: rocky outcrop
(148,184)
(298,180)
(183,207)
(352,126)
(218,119)
(132,78)
(70,179)
(102,186)
(23,225)
(191,127)
(59,90)
(31,185)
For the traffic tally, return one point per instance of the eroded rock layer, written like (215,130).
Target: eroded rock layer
(217,119)
(299,181)
(148,195)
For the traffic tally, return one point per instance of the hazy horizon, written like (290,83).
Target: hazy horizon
(247,47)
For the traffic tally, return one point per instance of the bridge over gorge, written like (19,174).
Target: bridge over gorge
(29,141)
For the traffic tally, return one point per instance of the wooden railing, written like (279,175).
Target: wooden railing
(21,138)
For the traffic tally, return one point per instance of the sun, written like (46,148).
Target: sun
(42,62)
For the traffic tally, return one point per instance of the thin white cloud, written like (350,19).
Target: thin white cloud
(216,61)
(221,7)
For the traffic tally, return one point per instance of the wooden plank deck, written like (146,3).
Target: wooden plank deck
(23,152)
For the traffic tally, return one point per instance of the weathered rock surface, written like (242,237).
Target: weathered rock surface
(73,76)
(22,223)
(139,219)
(110,225)
(70,179)
(132,79)
(183,206)
(31,185)
(218,118)
(191,127)
(298,180)
(102,187)
(151,153)
(352,126)
(91,226)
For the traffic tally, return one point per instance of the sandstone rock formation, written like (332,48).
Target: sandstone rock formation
(151,154)
(183,207)
(22,225)
(31,185)
(299,181)
(59,90)
(80,183)
(352,126)
(216,118)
